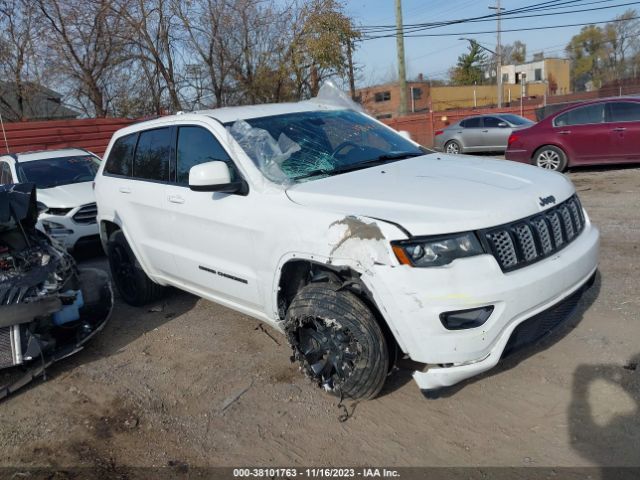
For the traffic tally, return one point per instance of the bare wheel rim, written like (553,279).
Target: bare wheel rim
(452,147)
(548,159)
(330,352)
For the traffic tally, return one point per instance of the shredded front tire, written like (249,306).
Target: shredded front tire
(337,341)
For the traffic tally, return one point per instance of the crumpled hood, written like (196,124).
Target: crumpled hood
(438,193)
(67,196)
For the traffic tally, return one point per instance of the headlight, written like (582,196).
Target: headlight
(437,251)
(55,229)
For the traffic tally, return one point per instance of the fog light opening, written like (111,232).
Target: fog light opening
(464,319)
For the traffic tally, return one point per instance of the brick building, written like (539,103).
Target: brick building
(383,101)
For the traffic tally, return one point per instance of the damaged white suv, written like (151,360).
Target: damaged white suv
(358,244)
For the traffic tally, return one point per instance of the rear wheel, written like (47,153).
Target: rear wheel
(550,158)
(135,287)
(337,340)
(453,147)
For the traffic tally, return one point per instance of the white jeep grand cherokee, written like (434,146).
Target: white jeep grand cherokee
(356,243)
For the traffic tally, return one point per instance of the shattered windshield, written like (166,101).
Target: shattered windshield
(301,146)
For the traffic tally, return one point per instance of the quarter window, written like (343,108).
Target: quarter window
(623,112)
(120,159)
(196,145)
(5,174)
(153,155)
(581,116)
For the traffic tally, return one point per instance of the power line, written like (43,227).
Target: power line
(511,30)
(417,29)
(543,6)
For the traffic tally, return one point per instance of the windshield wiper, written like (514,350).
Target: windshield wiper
(382,159)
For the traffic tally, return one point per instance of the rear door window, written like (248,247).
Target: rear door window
(581,116)
(623,112)
(491,122)
(197,145)
(474,122)
(120,161)
(152,160)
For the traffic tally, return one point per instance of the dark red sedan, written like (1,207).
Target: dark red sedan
(600,132)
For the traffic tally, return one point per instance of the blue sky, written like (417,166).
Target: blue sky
(433,56)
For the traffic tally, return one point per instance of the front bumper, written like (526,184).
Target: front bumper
(71,233)
(412,300)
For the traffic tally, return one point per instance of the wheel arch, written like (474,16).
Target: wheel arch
(107,228)
(556,145)
(295,273)
(457,139)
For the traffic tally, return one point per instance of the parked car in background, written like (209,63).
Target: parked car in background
(352,240)
(605,131)
(484,133)
(64,181)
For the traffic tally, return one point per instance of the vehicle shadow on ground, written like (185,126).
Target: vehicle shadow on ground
(604,417)
(603,168)
(513,359)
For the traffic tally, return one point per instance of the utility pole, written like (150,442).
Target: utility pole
(352,81)
(498,10)
(402,73)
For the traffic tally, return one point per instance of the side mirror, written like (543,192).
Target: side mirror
(41,207)
(214,177)
(502,125)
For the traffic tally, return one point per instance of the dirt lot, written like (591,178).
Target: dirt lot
(199,385)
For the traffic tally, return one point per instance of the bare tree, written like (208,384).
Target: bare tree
(82,44)
(208,27)
(19,57)
(153,28)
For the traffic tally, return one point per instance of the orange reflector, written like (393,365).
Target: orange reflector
(402,256)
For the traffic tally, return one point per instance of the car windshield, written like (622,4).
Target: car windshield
(306,145)
(53,172)
(516,120)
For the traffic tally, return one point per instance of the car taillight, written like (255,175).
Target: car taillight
(512,138)
(439,132)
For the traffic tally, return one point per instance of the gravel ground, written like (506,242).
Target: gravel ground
(192,384)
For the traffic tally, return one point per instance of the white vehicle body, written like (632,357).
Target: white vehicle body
(235,249)
(71,211)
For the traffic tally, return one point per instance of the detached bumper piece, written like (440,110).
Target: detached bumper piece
(27,349)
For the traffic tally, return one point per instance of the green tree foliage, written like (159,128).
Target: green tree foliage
(320,49)
(469,69)
(603,54)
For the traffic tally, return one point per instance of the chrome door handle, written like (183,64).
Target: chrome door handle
(564,132)
(124,190)
(618,129)
(485,131)
(175,199)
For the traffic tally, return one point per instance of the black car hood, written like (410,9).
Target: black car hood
(18,204)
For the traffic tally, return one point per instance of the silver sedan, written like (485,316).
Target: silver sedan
(485,133)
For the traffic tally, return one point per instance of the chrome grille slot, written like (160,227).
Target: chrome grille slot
(86,214)
(531,239)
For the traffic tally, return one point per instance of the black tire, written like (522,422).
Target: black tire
(134,286)
(337,340)
(551,158)
(454,146)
